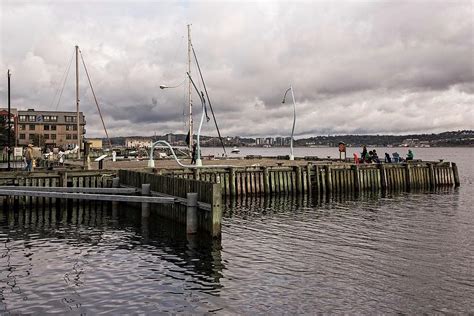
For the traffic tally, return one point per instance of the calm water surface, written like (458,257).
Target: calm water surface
(401,253)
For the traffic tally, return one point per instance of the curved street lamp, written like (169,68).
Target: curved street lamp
(163,86)
(292,157)
(203,104)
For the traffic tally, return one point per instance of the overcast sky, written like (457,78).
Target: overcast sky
(386,67)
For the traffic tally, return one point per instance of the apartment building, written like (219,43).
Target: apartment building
(48,128)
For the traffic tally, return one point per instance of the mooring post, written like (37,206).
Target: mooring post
(408,177)
(266,180)
(232,181)
(328,179)
(457,183)
(299,182)
(383,177)
(216,211)
(432,176)
(191,213)
(146,191)
(356,178)
(308,176)
(196,174)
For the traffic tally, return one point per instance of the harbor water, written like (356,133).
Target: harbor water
(409,253)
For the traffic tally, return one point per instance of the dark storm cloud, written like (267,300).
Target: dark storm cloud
(366,67)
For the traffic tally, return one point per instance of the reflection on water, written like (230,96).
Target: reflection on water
(96,257)
(371,254)
(374,253)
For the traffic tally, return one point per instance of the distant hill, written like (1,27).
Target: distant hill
(455,138)
(445,139)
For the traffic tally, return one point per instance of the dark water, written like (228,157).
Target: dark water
(402,253)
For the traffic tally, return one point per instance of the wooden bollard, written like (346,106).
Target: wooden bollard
(196,174)
(299,180)
(328,179)
(383,177)
(408,177)
(216,215)
(266,180)
(356,178)
(457,183)
(317,183)
(308,175)
(191,213)
(232,181)
(146,191)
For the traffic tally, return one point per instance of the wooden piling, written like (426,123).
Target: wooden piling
(328,179)
(299,180)
(232,182)
(357,186)
(457,183)
(383,177)
(408,177)
(191,213)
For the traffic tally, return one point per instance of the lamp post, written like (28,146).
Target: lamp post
(190,123)
(203,104)
(9,123)
(292,157)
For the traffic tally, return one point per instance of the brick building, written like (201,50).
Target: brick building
(47,128)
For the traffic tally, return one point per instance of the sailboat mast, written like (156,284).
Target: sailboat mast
(77,105)
(189,94)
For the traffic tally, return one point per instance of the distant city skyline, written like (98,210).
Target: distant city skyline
(385,67)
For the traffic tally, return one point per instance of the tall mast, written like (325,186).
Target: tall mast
(189,93)
(77,105)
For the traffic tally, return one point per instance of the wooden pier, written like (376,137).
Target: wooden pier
(323,178)
(194,197)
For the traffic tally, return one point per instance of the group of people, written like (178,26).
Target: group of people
(372,156)
(52,158)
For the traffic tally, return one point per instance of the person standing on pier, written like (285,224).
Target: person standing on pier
(363,155)
(410,155)
(29,158)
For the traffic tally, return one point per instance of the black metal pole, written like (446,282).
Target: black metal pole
(9,122)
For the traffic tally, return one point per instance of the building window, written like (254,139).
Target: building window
(22,118)
(46,128)
(74,136)
(70,119)
(32,127)
(22,136)
(53,127)
(68,136)
(46,136)
(22,127)
(68,127)
(31,136)
(31,118)
(53,118)
(53,136)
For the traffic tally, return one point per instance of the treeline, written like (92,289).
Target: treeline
(454,138)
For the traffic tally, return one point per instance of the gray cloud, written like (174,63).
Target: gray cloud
(372,67)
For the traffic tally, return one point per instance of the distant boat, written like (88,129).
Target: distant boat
(235,150)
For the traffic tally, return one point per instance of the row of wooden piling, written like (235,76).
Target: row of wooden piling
(89,179)
(325,178)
